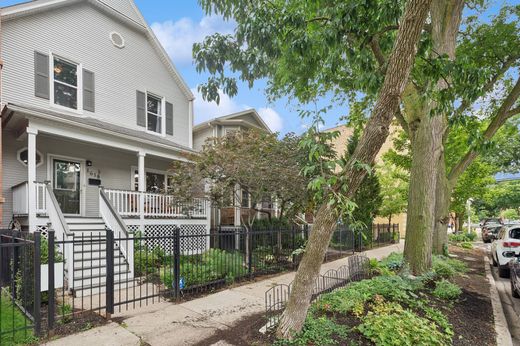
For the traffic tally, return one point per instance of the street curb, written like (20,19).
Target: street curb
(503,336)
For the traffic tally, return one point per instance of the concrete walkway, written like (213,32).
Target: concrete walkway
(193,321)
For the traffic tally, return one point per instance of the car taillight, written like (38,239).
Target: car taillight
(511,244)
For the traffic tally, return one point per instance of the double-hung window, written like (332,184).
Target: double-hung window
(65,83)
(154,113)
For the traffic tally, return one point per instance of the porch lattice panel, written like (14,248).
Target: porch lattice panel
(193,238)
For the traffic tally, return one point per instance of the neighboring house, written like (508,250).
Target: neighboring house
(340,144)
(220,127)
(94,114)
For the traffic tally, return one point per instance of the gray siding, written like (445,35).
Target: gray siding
(80,32)
(199,137)
(115,167)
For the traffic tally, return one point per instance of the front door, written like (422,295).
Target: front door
(67,185)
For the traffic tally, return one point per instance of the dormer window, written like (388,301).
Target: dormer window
(154,113)
(65,83)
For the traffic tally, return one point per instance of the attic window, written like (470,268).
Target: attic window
(117,39)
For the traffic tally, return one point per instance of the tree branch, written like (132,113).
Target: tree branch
(489,85)
(503,113)
(402,121)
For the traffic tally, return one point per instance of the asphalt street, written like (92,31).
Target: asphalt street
(510,305)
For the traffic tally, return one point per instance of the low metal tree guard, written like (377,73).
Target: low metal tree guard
(356,269)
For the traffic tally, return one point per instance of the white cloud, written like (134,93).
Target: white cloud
(271,118)
(178,37)
(205,110)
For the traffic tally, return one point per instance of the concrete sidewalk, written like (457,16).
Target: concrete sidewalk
(193,321)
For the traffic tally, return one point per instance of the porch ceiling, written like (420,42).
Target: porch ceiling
(95,131)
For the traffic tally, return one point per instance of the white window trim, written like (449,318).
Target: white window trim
(23,163)
(79,87)
(162,115)
(230,129)
(147,170)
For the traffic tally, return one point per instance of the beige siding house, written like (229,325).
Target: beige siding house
(340,145)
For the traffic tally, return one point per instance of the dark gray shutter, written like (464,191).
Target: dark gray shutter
(141,108)
(41,75)
(169,118)
(88,91)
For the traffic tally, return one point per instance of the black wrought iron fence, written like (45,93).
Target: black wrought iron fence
(19,287)
(93,274)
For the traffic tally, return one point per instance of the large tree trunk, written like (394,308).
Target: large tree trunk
(374,135)
(442,209)
(427,135)
(426,145)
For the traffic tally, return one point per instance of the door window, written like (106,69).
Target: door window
(67,182)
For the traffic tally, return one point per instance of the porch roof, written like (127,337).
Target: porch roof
(99,125)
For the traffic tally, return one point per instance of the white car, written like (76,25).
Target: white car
(505,248)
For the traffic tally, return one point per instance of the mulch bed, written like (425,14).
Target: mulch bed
(471,316)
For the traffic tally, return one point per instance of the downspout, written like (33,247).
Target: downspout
(2,199)
(190,123)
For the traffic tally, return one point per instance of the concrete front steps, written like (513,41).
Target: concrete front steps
(90,265)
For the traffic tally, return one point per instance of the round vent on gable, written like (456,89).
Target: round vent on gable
(117,39)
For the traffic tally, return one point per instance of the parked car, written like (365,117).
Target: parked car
(514,269)
(491,220)
(490,232)
(505,248)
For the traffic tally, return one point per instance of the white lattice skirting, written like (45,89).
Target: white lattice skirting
(194,237)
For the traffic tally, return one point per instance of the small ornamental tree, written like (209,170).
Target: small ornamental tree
(251,161)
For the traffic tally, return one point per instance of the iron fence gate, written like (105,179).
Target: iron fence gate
(20,285)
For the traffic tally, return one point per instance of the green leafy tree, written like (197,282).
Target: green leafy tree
(394,189)
(307,49)
(510,214)
(253,161)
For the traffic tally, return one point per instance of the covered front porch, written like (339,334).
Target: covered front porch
(76,163)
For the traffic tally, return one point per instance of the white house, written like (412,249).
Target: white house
(94,113)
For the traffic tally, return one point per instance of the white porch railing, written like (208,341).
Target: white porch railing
(21,199)
(114,222)
(126,203)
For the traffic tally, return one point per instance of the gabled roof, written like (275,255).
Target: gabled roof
(238,118)
(123,10)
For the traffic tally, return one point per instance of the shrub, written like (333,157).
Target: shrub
(445,267)
(447,290)
(209,266)
(390,324)
(353,297)
(462,237)
(317,331)
(394,261)
(466,245)
(44,252)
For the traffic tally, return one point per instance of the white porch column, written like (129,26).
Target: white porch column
(141,187)
(31,176)
(238,201)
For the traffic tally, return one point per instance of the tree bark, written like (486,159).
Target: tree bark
(426,146)
(427,136)
(442,209)
(374,135)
